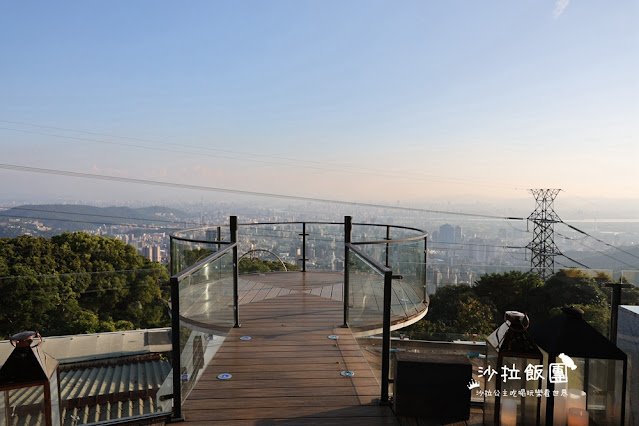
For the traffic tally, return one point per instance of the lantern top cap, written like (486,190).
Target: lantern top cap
(514,315)
(573,311)
(24,338)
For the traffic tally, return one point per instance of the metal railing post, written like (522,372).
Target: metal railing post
(236,293)
(304,235)
(219,246)
(173,257)
(175,346)
(425,269)
(388,246)
(386,325)
(348,235)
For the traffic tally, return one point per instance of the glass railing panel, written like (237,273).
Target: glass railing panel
(629,277)
(325,247)
(206,316)
(271,243)
(366,308)
(408,260)
(206,296)
(188,253)
(363,232)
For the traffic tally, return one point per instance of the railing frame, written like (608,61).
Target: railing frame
(387,273)
(348,236)
(304,235)
(349,246)
(175,321)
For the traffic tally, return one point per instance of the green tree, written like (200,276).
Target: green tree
(509,291)
(257,265)
(78,283)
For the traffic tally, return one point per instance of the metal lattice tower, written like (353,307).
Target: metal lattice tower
(542,247)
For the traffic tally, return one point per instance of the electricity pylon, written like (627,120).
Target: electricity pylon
(542,247)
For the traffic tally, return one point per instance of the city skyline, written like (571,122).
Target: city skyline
(367,101)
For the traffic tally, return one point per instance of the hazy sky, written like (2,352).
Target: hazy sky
(369,100)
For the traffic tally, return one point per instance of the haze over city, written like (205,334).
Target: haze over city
(437,104)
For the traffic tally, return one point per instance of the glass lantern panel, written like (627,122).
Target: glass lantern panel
(490,385)
(605,379)
(568,387)
(26,406)
(3,408)
(55,400)
(522,390)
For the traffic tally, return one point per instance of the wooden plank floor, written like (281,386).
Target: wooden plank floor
(289,372)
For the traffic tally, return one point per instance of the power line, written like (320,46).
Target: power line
(295,162)
(236,191)
(573,260)
(598,251)
(599,240)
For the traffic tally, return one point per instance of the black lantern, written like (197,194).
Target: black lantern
(592,389)
(29,383)
(512,374)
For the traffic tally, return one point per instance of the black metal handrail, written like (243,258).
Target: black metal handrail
(202,263)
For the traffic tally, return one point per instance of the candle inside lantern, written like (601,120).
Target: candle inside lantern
(508,414)
(576,399)
(578,417)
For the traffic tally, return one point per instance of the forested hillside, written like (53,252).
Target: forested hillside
(78,283)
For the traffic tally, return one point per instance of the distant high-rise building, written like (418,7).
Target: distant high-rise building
(156,254)
(459,237)
(446,234)
(153,253)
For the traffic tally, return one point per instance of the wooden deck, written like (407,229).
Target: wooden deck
(289,372)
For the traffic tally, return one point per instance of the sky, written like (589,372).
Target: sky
(373,101)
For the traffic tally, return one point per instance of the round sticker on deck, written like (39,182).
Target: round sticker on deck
(333,337)
(245,338)
(347,373)
(224,376)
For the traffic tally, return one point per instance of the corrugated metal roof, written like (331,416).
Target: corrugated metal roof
(99,391)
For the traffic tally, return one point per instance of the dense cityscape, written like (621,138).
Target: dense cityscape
(458,252)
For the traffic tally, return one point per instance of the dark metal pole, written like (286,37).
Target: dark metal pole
(173,259)
(614,307)
(219,246)
(614,318)
(304,234)
(386,324)
(175,344)
(623,392)
(425,269)
(236,293)
(348,235)
(387,246)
